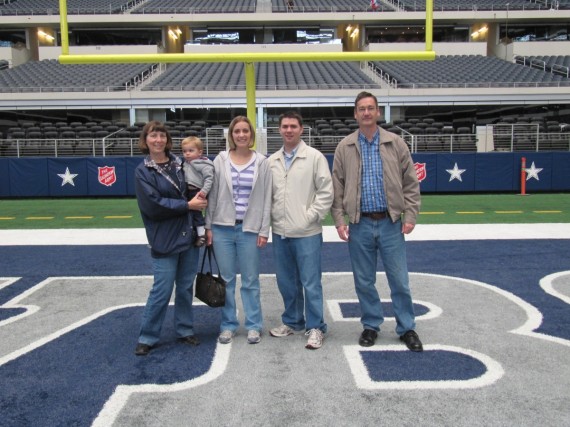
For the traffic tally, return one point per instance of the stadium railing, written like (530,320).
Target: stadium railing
(270,141)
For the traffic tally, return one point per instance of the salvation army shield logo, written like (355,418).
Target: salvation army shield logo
(421,171)
(107,175)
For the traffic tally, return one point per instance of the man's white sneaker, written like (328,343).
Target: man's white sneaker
(253,337)
(226,337)
(315,340)
(281,331)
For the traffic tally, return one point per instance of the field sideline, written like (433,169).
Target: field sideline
(436,209)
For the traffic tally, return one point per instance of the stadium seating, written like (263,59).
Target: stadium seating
(269,76)
(303,6)
(467,71)
(44,133)
(556,64)
(51,7)
(50,75)
(196,6)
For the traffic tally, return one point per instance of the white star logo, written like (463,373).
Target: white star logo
(455,173)
(67,177)
(532,172)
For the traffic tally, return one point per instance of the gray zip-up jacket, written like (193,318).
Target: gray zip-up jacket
(221,208)
(401,184)
(199,173)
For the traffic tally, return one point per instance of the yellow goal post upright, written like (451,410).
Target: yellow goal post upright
(249,59)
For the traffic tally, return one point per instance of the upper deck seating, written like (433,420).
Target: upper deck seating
(320,6)
(556,64)
(51,7)
(467,71)
(51,76)
(269,76)
(196,6)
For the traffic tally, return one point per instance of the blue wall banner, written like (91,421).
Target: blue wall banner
(28,177)
(538,170)
(455,172)
(494,172)
(4,178)
(132,163)
(437,172)
(561,171)
(426,171)
(67,176)
(106,176)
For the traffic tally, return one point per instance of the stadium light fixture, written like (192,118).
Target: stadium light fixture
(46,35)
(248,58)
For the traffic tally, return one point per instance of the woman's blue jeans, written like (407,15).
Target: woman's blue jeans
(368,238)
(178,268)
(235,248)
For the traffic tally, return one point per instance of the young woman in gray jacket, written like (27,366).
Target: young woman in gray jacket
(237,224)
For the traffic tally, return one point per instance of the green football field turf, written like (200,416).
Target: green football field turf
(436,209)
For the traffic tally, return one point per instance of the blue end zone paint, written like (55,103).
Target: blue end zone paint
(433,365)
(513,265)
(68,380)
(352,309)
(6,313)
(74,375)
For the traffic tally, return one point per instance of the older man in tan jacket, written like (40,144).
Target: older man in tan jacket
(376,186)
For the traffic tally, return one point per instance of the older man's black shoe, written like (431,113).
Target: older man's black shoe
(142,349)
(412,341)
(190,339)
(367,338)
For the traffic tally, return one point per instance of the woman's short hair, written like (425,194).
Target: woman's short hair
(154,126)
(233,124)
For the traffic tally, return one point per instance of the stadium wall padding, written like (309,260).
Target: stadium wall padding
(440,172)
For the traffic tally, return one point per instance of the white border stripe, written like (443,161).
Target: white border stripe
(362,378)
(422,232)
(547,286)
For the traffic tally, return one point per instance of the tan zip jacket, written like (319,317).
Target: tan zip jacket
(303,195)
(401,184)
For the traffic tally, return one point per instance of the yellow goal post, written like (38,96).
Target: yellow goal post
(249,59)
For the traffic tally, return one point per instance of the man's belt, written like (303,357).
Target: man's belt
(375,215)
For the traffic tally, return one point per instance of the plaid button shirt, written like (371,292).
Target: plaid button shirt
(373,196)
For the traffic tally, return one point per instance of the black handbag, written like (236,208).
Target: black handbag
(210,289)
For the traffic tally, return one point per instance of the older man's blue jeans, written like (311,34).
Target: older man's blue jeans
(178,268)
(367,239)
(236,248)
(298,270)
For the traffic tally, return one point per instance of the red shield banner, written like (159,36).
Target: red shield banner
(107,175)
(421,171)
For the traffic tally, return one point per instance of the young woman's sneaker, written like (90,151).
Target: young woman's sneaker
(281,331)
(253,337)
(226,337)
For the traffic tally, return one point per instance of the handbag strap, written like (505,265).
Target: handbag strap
(209,251)
(206,250)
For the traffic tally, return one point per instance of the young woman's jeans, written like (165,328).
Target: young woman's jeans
(298,269)
(367,238)
(178,268)
(233,248)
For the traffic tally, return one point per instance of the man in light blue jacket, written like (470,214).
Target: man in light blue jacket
(302,194)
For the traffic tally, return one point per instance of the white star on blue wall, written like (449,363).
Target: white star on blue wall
(455,173)
(533,172)
(67,177)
